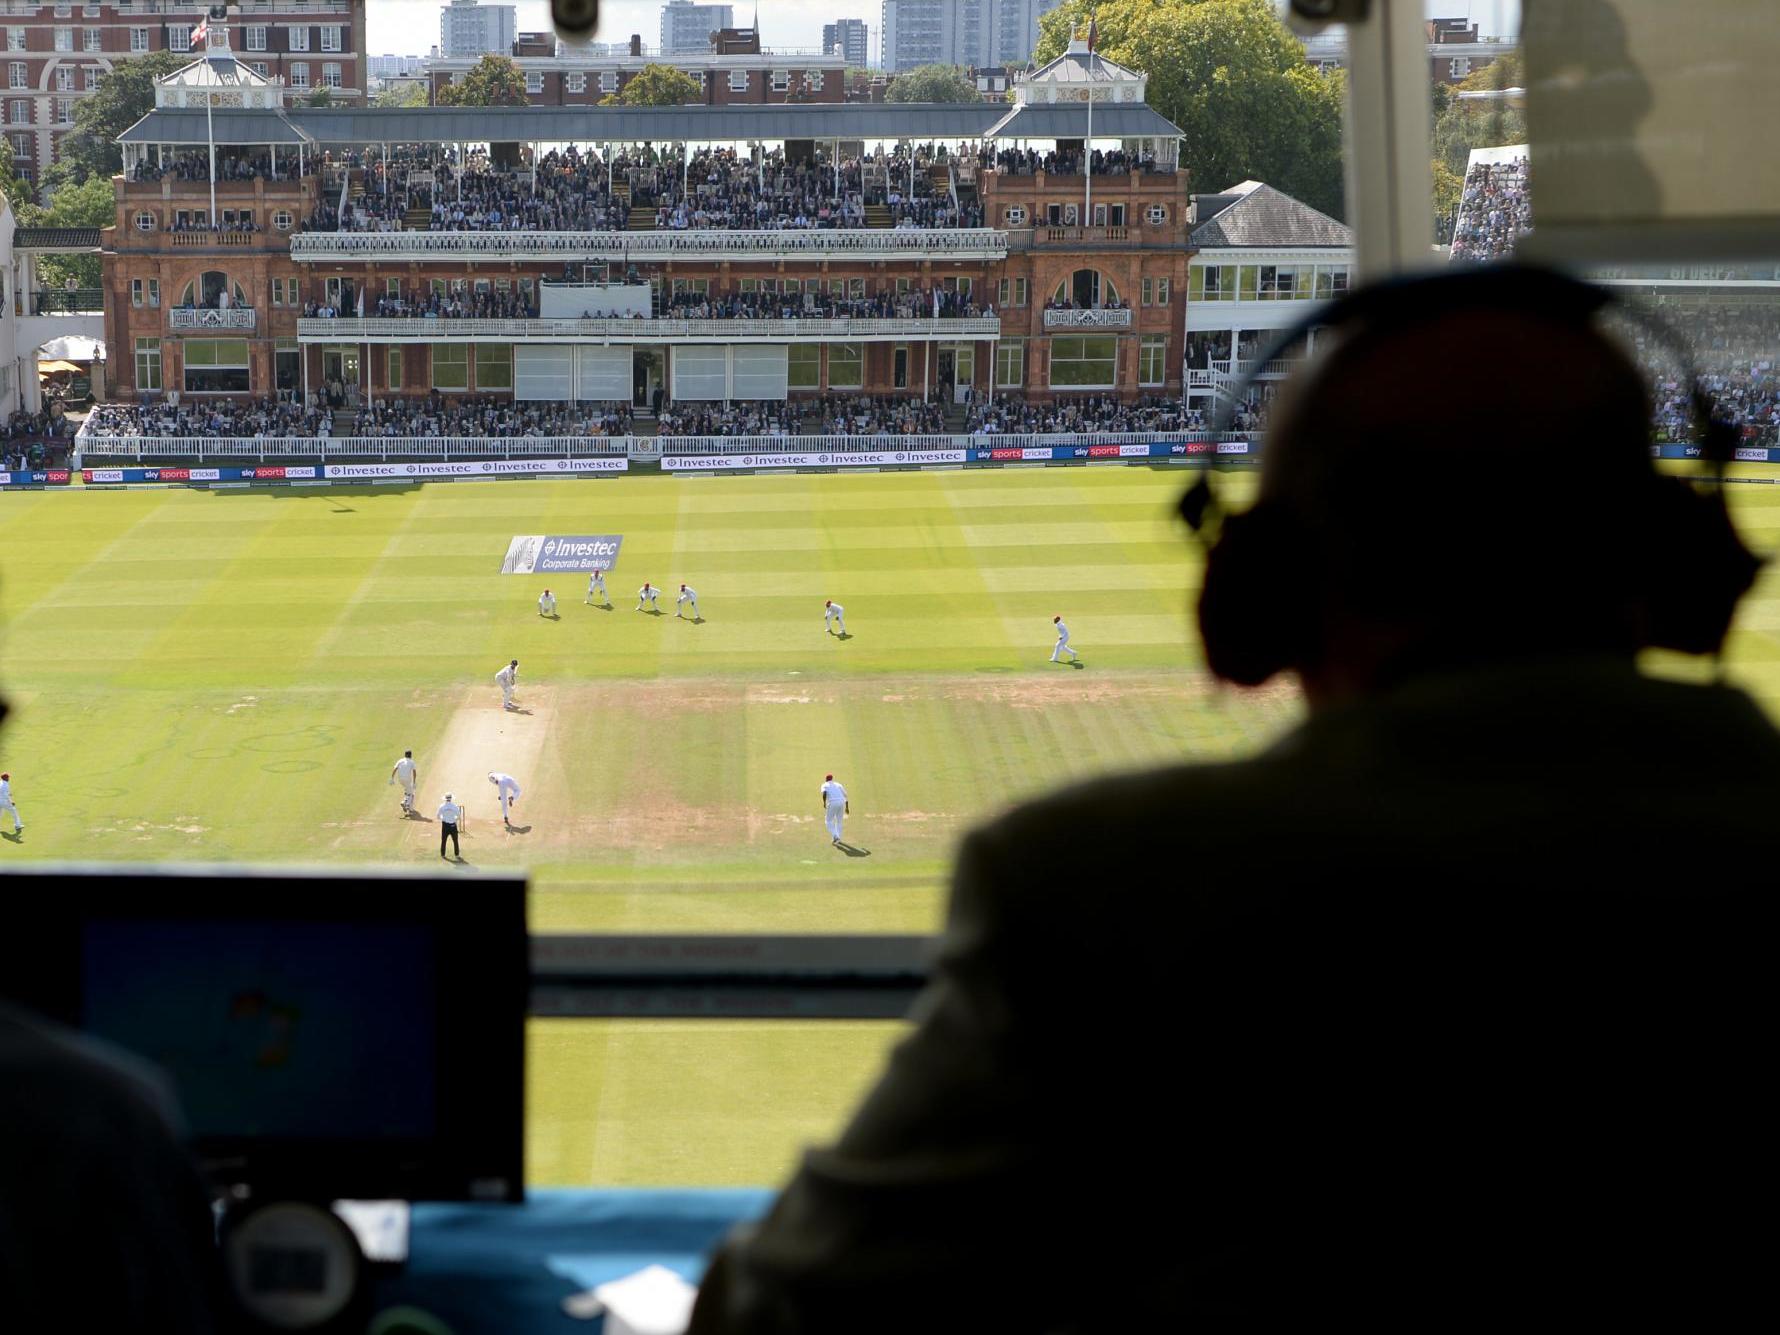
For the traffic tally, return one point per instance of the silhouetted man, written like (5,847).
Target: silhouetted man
(1438,1013)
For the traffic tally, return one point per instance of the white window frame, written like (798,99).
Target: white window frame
(534,81)
(299,74)
(92,78)
(299,38)
(64,110)
(21,146)
(18,75)
(283,220)
(1156,214)
(813,80)
(92,39)
(15,39)
(148,363)
(609,81)
(330,75)
(1152,348)
(64,38)
(1014,351)
(330,38)
(64,78)
(1016,215)
(259,68)
(781,81)
(179,37)
(742,77)
(16,106)
(139,41)
(256,37)
(576,82)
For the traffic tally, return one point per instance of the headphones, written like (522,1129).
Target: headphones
(1259,613)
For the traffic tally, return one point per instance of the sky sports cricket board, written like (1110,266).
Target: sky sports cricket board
(554,554)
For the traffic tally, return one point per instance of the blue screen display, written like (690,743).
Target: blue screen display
(275,1029)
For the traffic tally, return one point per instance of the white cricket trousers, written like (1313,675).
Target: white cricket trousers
(407,798)
(1063,648)
(7,808)
(506,807)
(833,820)
(506,694)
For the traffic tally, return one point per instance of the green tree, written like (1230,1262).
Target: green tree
(1487,122)
(493,81)
(1249,105)
(1449,186)
(405,93)
(88,203)
(123,97)
(933,83)
(656,86)
(320,96)
(17,192)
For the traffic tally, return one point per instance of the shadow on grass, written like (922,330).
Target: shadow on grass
(551,616)
(12,836)
(519,829)
(515,709)
(852,851)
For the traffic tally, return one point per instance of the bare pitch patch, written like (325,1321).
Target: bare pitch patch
(483,737)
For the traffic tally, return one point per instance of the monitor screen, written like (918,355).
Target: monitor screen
(352,1035)
(275,1028)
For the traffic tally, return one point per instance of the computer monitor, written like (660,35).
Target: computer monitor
(331,1034)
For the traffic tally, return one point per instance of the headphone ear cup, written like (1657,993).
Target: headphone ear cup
(1255,611)
(1700,573)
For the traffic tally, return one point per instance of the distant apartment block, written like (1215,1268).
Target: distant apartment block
(467,28)
(975,33)
(686,27)
(850,37)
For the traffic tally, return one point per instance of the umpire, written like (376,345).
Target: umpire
(450,814)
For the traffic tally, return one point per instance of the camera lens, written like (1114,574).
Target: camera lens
(575,16)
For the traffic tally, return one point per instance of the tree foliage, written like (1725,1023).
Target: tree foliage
(17,193)
(493,81)
(933,83)
(405,93)
(1449,187)
(656,86)
(88,203)
(1465,124)
(123,97)
(1249,105)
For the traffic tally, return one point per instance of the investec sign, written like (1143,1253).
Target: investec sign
(536,554)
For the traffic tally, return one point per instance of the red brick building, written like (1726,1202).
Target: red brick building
(57,53)
(1071,277)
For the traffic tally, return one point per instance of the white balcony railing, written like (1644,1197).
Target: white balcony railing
(853,243)
(625,331)
(187,317)
(1109,319)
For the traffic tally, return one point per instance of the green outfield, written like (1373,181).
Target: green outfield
(230,675)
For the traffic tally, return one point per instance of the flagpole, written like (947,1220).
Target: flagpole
(210,139)
(1088,158)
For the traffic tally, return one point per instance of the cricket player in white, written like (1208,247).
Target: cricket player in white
(1062,641)
(506,677)
(687,595)
(834,807)
(647,594)
(833,614)
(547,604)
(506,790)
(596,582)
(6,804)
(404,774)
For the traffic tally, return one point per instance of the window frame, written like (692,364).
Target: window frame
(1081,343)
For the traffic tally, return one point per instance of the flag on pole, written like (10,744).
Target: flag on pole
(1093,32)
(201,33)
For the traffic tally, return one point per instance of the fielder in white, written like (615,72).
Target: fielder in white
(546,604)
(1062,641)
(405,774)
(834,807)
(647,594)
(505,679)
(7,806)
(833,614)
(596,583)
(506,791)
(687,595)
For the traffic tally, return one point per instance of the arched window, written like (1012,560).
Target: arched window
(1085,290)
(212,291)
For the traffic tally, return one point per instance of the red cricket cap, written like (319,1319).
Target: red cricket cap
(827,779)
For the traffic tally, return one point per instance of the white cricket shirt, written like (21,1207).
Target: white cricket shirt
(450,813)
(833,794)
(405,772)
